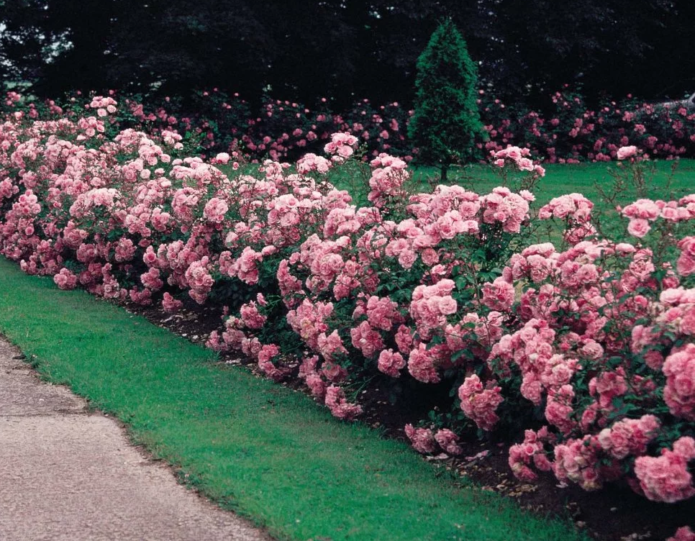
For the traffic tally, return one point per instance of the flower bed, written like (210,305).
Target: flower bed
(567,130)
(570,131)
(580,351)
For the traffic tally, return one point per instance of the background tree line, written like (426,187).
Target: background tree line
(346,49)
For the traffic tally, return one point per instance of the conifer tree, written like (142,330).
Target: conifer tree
(446,120)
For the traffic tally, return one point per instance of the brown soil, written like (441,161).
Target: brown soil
(615,513)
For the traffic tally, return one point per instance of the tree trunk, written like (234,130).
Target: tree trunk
(445,170)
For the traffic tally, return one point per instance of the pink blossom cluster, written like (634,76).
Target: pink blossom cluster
(479,401)
(518,157)
(339,406)
(388,175)
(425,441)
(341,147)
(629,436)
(431,305)
(626,153)
(641,213)
(578,461)
(679,369)
(311,162)
(506,208)
(530,453)
(666,478)
(104,105)
(575,210)
(683,534)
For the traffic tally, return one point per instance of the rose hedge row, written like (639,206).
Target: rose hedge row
(581,348)
(566,131)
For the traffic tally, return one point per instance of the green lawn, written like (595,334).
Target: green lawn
(559,180)
(581,178)
(251,445)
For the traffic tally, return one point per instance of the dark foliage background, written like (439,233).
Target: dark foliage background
(346,49)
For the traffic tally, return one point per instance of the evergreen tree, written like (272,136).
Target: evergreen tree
(446,120)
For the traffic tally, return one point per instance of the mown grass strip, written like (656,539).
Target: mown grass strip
(559,180)
(255,447)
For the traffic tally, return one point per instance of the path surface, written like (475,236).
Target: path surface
(67,474)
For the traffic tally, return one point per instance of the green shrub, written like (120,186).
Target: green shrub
(446,120)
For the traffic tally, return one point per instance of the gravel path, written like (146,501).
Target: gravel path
(67,474)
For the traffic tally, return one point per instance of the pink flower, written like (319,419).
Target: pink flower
(312,162)
(316,385)
(330,346)
(530,452)
(607,386)
(577,460)
(629,436)
(222,158)
(447,440)
(627,152)
(666,478)
(574,206)
(251,317)
(391,363)
(170,304)
(215,209)
(638,228)
(558,410)
(683,534)
(404,339)
(382,313)
(151,279)
(333,372)
(679,393)
(265,356)
(245,268)
(407,258)
(498,295)
(65,279)
(431,305)
(479,403)
(199,280)
(125,250)
(422,439)
(308,320)
(339,406)
(686,261)
(421,365)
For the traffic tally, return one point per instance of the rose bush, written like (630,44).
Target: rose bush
(582,348)
(566,130)
(569,131)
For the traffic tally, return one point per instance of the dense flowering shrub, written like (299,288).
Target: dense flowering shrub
(566,131)
(584,345)
(569,131)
